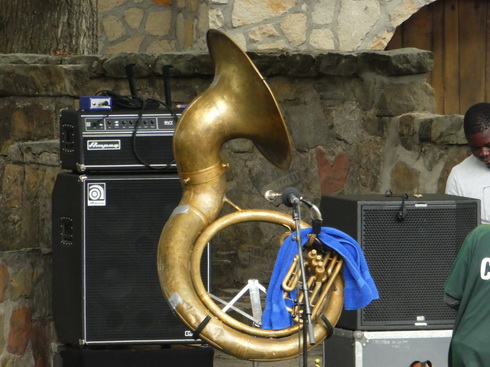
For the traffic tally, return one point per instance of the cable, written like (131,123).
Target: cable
(133,103)
(402,212)
(129,102)
(134,135)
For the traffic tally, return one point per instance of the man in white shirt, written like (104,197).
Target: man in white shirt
(471,177)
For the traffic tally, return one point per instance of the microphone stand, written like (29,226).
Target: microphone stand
(307,322)
(292,198)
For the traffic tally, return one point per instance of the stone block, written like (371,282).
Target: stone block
(19,330)
(407,61)
(410,131)
(294,28)
(93,63)
(28,59)
(333,176)
(247,12)
(339,64)
(307,136)
(301,65)
(39,344)
(3,341)
(131,44)
(397,97)
(45,152)
(115,66)
(42,80)
(21,282)
(185,64)
(417,128)
(26,118)
(366,174)
(355,20)
(322,39)
(133,17)
(259,33)
(447,129)
(269,63)
(348,122)
(404,178)
(4,282)
(25,207)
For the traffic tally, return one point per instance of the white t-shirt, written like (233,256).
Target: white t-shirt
(471,178)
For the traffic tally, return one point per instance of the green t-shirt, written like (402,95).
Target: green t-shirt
(469,282)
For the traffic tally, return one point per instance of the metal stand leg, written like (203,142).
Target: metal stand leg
(253,287)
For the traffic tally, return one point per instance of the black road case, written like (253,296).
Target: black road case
(347,348)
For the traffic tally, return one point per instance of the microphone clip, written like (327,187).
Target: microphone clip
(291,197)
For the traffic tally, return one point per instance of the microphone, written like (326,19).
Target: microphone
(291,197)
(271,195)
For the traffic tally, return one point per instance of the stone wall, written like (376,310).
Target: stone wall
(359,122)
(314,25)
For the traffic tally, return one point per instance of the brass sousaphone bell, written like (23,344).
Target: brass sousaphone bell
(238,104)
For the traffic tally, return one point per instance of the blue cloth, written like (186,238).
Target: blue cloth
(359,287)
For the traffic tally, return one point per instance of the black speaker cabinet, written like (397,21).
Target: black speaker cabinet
(105,232)
(410,245)
(188,357)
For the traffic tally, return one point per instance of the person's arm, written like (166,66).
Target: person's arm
(456,281)
(451,301)
(452,186)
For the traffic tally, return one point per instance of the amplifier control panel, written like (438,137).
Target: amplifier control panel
(128,123)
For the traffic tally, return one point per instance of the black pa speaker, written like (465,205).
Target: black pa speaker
(188,357)
(105,232)
(410,244)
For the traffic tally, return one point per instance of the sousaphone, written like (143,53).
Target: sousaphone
(238,104)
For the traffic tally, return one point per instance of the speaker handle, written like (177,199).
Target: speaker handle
(400,215)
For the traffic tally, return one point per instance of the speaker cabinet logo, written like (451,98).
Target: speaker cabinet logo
(96,194)
(103,144)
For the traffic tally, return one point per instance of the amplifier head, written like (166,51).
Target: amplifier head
(117,140)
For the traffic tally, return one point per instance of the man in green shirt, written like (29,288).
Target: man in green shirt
(468,291)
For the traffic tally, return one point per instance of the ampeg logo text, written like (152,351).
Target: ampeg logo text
(96,194)
(103,144)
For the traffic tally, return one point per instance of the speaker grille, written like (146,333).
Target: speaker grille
(124,300)
(409,258)
(410,261)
